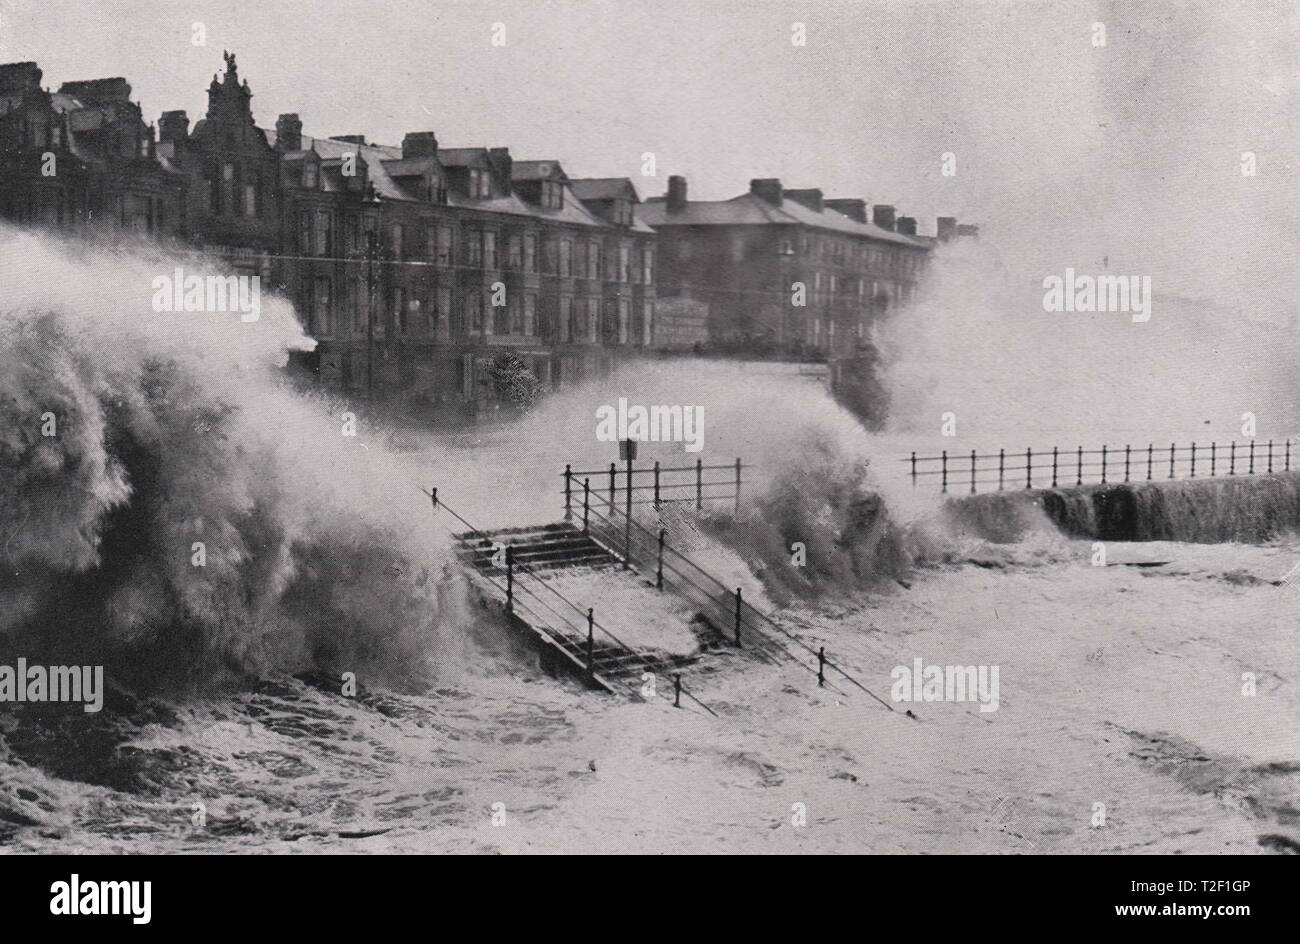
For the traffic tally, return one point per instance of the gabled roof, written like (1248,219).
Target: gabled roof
(462,157)
(537,170)
(604,188)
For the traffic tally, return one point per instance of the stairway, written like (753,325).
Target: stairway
(562,557)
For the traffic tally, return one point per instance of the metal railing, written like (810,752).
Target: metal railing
(1062,468)
(657,485)
(725,610)
(536,602)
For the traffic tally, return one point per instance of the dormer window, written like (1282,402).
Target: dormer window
(623,212)
(309,175)
(552,195)
(480,184)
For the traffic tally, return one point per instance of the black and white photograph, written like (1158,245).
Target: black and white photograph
(650,427)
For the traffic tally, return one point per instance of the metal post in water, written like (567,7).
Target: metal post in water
(1252,458)
(659,577)
(737,617)
(586,502)
(1232,458)
(1171,460)
(627,524)
(699,484)
(972,471)
(656,485)
(1001,463)
(1288,455)
(944,475)
(591,639)
(1103,465)
(1270,457)
(568,482)
(821,665)
(737,485)
(1126,458)
(613,471)
(1193,460)
(510,579)
(1212,458)
(1053,467)
(1150,453)
(433,493)
(913,468)
(1029,468)
(677,690)
(1078,467)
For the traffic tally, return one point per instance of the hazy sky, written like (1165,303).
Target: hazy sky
(1066,152)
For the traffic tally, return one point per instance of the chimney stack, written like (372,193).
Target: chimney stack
(503,166)
(420,144)
(882,214)
(907,225)
(767,188)
(968,230)
(854,209)
(946,228)
(288,133)
(811,198)
(349,138)
(676,193)
(173,126)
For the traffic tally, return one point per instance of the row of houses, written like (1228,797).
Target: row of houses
(414,265)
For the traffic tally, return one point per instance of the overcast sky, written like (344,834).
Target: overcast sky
(1066,152)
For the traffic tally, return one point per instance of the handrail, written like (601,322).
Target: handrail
(793,638)
(586,614)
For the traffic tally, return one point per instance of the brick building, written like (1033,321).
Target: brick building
(747,258)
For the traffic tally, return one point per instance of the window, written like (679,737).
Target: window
(309,175)
(323,241)
(322,323)
(489,250)
(442,310)
(474,248)
(566,318)
(399,311)
(356,296)
(304,232)
(609,322)
(515,307)
(530,313)
(552,256)
(530,252)
(515,251)
(552,195)
(443,255)
(786,248)
(647,323)
(566,258)
(480,184)
(580,259)
(227,188)
(250,200)
(593,262)
(474,311)
(623,213)
(397,241)
(624,319)
(624,263)
(648,265)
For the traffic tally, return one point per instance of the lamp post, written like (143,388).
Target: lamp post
(370,203)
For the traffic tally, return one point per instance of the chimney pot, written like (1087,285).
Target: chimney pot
(288,133)
(420,144)
(907,225)
(173,126)
(946,228)
(882,214)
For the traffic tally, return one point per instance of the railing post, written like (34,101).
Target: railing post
(627,525)
(1126,458)
(433,493)
(1150,455)
(586,502)
(613,471)
(591,640)
(1212,460)
(568,483)
(1103,464)
(821,666)
(1078,466)
(1193,460)
(659,576)
(1252,457)
(510,578)
(1171,460)
(972,471)
(1029,468)
(656,485)
(1232,458)
(677,690)
(1270,457)
(737,617)
(699,484)
(738,485)
(1288,455)
(1002,456)
(1053,467)
(944,474)
(914,469)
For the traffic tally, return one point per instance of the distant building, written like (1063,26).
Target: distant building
(787,271)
